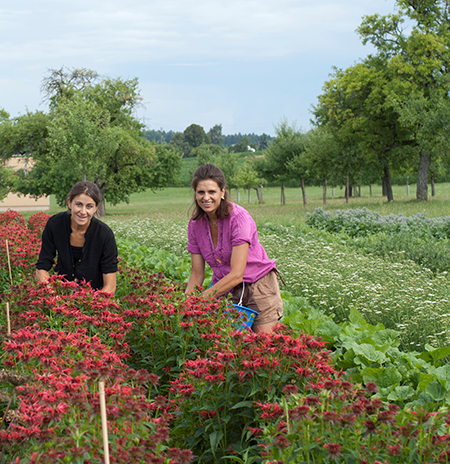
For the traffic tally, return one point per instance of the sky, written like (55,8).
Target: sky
(245,64)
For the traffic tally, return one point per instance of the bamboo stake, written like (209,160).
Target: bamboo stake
(8,321)
(9,262)
(101,388)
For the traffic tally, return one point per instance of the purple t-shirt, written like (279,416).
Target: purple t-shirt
(238,228)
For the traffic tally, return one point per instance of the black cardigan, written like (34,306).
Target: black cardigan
(99,255)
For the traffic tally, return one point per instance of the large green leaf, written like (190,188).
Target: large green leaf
(436,391)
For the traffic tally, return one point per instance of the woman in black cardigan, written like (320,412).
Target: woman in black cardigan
(85,246)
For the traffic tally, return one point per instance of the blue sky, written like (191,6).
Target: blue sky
(245,64)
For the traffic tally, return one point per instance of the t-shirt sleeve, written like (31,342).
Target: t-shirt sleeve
(192,239)
(242,227)
(48,249)
(108,260)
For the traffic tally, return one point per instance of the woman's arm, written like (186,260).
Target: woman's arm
(197,272)
(109,282)
(238,264)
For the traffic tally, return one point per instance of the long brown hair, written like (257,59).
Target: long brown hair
(210,172)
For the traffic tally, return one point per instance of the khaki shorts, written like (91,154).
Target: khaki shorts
(262,296)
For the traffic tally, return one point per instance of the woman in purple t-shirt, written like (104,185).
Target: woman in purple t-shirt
(224,235)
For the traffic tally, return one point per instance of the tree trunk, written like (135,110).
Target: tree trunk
(422,177)
(325,191)
(249,195)
(387,186)
(359,190)
(261,194)
(238,195)
(303,192)
(101,209)
(347,190)
(283,198)
(433,189)
(370,189)
(258,196)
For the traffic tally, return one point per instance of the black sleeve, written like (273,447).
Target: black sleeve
(108,260)
(48,248)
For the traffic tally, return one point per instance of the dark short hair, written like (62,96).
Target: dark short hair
(88,188)
(210,172)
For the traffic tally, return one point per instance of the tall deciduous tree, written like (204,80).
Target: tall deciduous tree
(90,133)
(356,104)
(288,144)
(194,136)
(420,61)
(215,135)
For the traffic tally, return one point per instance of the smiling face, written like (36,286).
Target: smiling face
(82,208)
(208,196)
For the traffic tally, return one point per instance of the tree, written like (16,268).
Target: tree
(263,142)
(90,133)
(179,143)
(321,157)
(356,106)
(206,153)
(288,144)
(24,136)
(215,135)
(194,136)
(420,60)
(248,178)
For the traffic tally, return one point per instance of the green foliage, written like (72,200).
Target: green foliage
(194,136)
(207,153)
(344,424)
(90,133)
(288,145)
(369,353)
(173,267)
(215,135)
(242,146)
(396,237)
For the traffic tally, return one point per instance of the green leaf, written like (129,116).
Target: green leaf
(435,354)
(243,404)
(401,393)
(389,377)
(356,317)
(436,391)
(214,439)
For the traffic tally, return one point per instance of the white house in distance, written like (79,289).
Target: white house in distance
(24,202)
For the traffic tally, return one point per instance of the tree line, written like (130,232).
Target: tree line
(195,135)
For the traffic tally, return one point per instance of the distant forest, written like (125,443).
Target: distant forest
(159,136)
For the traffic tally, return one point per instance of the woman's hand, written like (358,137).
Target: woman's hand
(238,264)
(42,275)
(197,272)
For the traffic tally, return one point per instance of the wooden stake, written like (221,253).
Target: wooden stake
(9,262)
(8,321)
(101,389)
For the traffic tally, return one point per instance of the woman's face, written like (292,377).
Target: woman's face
(208,195)
(82,208)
